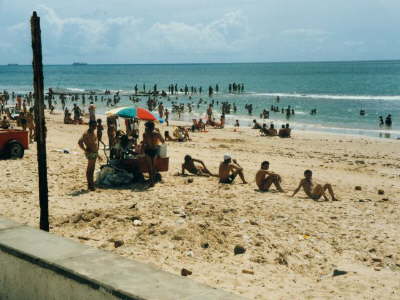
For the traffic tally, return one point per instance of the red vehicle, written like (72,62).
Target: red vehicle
(13,143)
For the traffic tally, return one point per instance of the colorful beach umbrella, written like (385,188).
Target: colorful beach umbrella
(130,112)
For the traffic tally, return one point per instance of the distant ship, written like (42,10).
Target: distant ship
(79,64)
(13,65)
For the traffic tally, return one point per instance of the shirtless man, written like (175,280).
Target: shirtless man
(151,142)
(92,112)
(89,143)
(265,178)
(99,130)
(190,166)
(31,125)
(229,169)
(209,112)
(314,192)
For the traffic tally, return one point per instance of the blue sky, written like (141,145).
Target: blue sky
(182,31)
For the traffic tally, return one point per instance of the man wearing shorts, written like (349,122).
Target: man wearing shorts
(229,169)
(265,178)
(314,192)
(190,166)
(151,143)
(89,143)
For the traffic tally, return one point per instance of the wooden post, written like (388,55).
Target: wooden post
(40,120)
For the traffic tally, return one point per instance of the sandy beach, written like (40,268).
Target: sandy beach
(293,245)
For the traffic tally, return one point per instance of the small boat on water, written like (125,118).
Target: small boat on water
(79,64)
(12,64)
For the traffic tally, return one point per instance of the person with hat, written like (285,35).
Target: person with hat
(229,169)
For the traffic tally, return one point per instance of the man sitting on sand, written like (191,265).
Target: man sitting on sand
(229,169)
(256,125)
(190,166)
(314,192)
(89,143)
(272,131)
(265,178)
(285,131)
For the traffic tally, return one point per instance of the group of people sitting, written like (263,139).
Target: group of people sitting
(180,134)
(284,131)
(229,170)
(198,125)
(69,120)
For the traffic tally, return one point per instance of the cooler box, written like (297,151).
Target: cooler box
(140,164)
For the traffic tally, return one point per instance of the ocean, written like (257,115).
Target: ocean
(337,90)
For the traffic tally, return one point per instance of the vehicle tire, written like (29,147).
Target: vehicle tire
(15,150)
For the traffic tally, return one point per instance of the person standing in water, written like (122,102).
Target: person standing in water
(388,121)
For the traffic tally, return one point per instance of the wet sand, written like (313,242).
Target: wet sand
(293,245)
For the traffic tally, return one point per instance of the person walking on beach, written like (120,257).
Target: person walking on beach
(99,130)
(77,113)
(209,112)
(229,169)
(89,144)
(92,112)
(314,192)
(31,125)
(265,178)
(237,126)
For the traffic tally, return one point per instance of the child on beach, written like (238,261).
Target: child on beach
(314,192)
(237,126)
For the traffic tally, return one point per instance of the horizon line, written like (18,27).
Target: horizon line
(216,63)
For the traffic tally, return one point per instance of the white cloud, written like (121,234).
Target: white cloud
(227,34)
(124,39)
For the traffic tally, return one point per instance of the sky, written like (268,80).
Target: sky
(201,31)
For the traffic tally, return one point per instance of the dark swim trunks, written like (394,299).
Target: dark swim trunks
(228,180)
(151,152)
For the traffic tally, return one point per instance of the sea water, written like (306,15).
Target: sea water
(338,90)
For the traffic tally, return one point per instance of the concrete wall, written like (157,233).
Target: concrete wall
(37,265)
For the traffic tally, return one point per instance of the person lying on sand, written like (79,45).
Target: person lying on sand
(190,166)
(265,178)
(314,192)
(229,169)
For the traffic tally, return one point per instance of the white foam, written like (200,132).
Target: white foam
(327,96)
